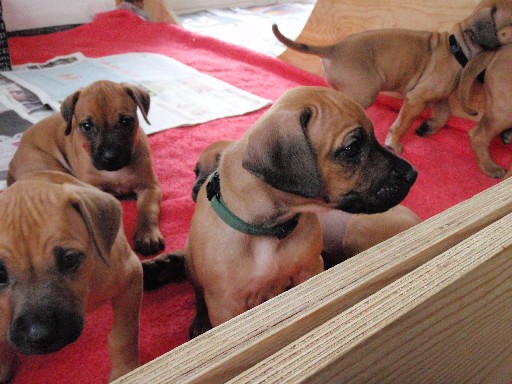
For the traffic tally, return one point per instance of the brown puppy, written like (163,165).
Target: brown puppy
(344,234)
(496,118)
(97,139)
(314,149)
(419,65)
(63,252)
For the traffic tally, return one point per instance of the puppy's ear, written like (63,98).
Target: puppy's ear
(67,109)
(141,98)
(101,213)
(279,152)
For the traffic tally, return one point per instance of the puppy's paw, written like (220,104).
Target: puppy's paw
(200,325)
(425,129)
(494,171)
(163,269)
(149,242)
(395,146)
(506,136)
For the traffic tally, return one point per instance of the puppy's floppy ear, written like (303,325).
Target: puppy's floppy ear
(67,109)
(141,98)
(279,152)
(101,213)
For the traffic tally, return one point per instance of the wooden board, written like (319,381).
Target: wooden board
(235,347)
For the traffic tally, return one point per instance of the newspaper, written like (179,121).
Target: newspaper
(180,95)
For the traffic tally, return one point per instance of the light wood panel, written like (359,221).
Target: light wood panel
(448,321)
(234,347)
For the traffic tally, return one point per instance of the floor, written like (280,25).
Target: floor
(251,27)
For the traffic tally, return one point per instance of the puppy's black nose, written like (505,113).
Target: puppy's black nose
(110,154)
(45,329)
(36,328)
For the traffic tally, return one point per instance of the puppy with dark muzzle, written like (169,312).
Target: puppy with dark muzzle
(97,138)
(63,252)
(255,219)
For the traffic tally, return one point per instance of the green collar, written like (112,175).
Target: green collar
(213,193)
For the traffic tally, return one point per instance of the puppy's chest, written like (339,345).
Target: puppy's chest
(118,183)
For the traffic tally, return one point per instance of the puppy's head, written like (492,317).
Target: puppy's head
(316,143)
(52,233)
(105,114)
(490,24)
(207,163)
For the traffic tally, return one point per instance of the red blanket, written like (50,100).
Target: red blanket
(448,173)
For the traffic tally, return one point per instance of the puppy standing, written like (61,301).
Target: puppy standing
(97,139)
(496,118)
(314,149)
(422,66)
(63,252)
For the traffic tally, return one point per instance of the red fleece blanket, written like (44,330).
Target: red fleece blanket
(448,173)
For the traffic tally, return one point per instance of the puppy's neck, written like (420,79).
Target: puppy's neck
(248,197)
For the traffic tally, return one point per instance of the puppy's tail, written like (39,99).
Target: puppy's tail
(163,269)
(469,74)
(322,51)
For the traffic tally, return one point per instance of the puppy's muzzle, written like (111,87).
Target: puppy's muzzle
(111,158)
(44,329)
(385,192)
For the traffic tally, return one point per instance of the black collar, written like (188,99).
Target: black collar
(213,193)
(457,51)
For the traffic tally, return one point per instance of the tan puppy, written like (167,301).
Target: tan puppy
(419,65)
(63,252)
(496,118)
(314,149)
(97,139)
(344,234)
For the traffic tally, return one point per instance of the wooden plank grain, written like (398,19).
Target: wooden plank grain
(448,321)
(242,342)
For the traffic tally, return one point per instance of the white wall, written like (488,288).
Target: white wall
(30,14)
(188,6)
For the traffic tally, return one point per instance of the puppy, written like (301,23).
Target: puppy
(63,252)
(344,234)
(97,139)
(421,66)
(496,118)
(255,220)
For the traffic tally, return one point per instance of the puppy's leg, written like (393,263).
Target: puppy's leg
(163,269)
(148,239)
(123,340)
(410,110)
(201,322)
(480,137)
(7,354)
(440,114)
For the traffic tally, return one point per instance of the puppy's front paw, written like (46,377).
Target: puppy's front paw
(494,171)
(148,242)
(395,146)
(163,269)
(200,325)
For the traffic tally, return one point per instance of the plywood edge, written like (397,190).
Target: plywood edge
(239,344)
(446,321)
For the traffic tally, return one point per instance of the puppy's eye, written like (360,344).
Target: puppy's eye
(4,277)
(68,260)
(87,127)
(126,121)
